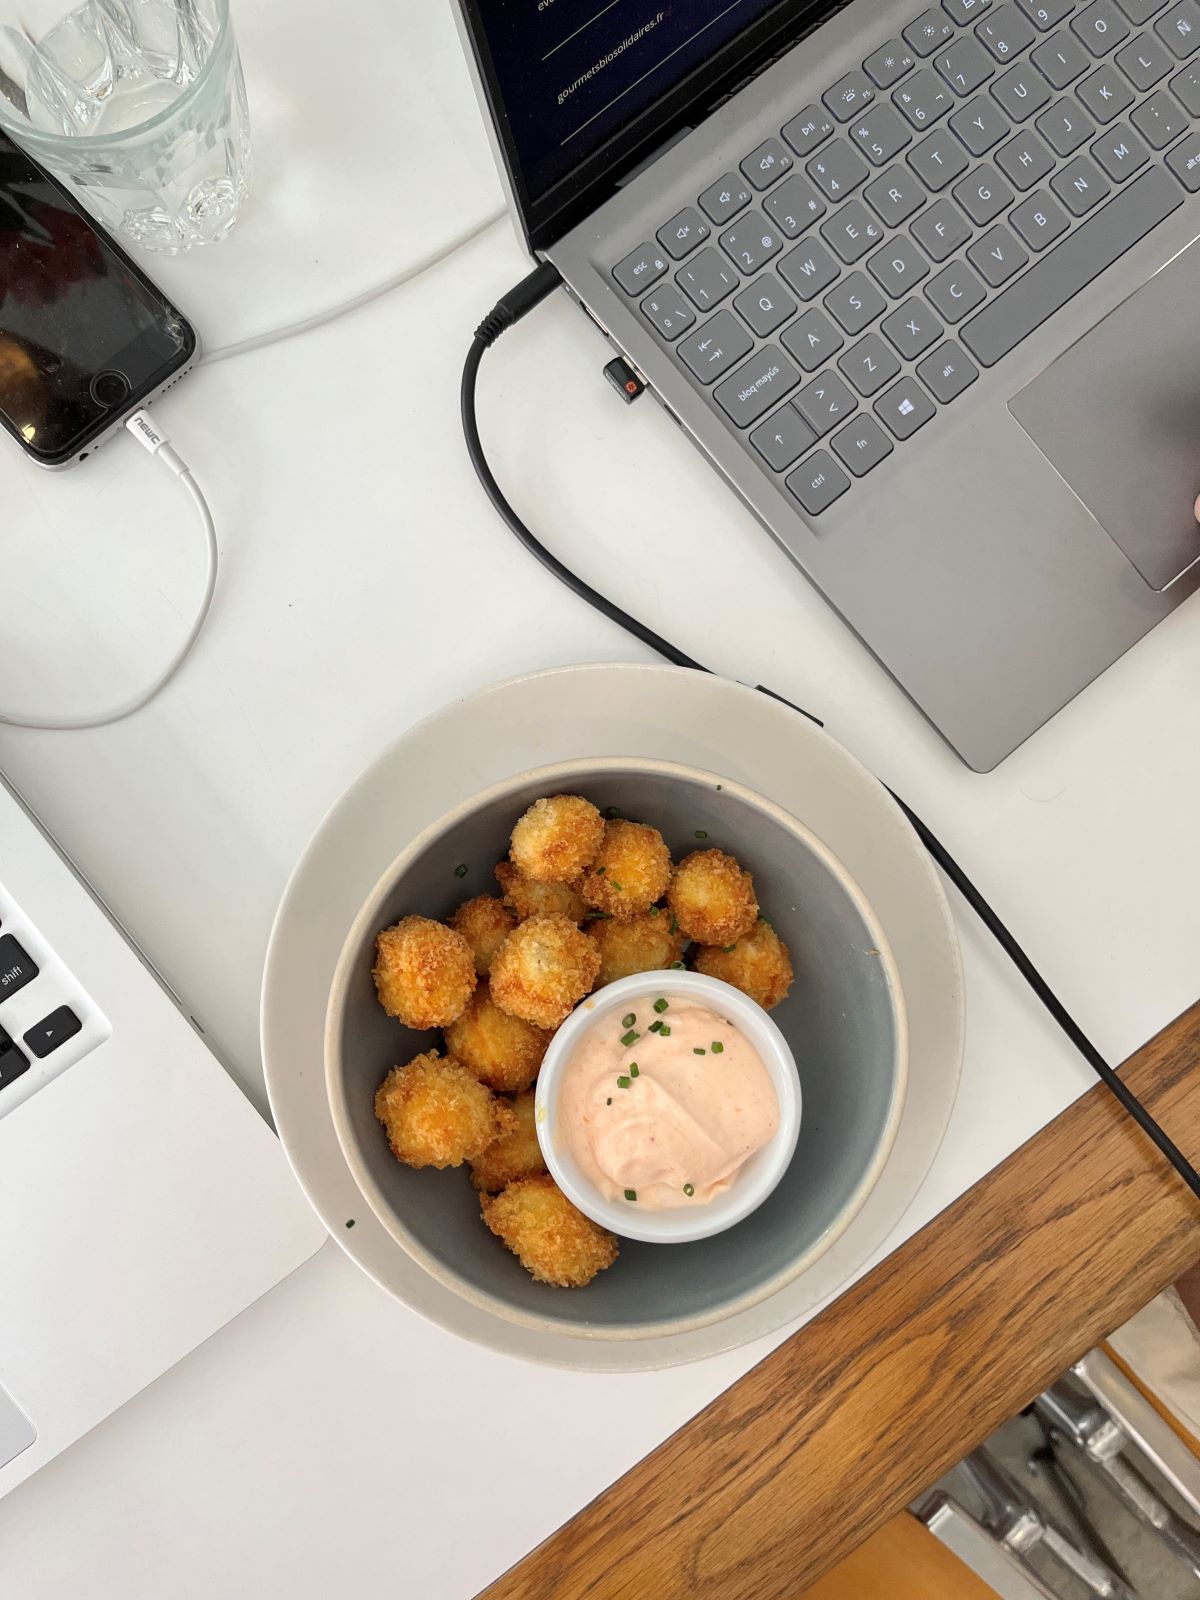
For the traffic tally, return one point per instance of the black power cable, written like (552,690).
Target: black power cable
(519,301)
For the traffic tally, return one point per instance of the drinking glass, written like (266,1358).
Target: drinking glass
(140,104)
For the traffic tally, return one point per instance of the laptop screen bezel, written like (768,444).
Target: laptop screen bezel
(545,218)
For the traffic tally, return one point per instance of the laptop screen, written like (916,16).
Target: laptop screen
(579,90)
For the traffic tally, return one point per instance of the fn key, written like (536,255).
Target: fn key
(52,1031)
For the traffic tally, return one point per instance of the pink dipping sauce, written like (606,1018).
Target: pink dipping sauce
(683,1122)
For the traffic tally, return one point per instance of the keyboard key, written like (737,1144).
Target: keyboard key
(794,206)
(807,131)
(1065,127)
(965,66)
(1186,88)
(825,403)
(1179,30)
(764,165)
(724,199)
(1025,160)
(1081,186)
(668,311)
(849,97)
(1121,153)
(1082,256)
(1040,220)
(984,195)
(922,99)
(938,159)
(53,1031)
(818,483)
(1139,11)
(808,269)
(861,445)
(855,303)
(1159,120)
(1101,27)
(13,1062)
(715,347)
(955,292)
(947,372)
(997,256)
(752,241)
(766,305)
(1022,91)
(1006,33)
(838,171)
(905,408)
(889,64)
(869,365)
(852,231)
(981,125)
(964,11)
(683,233)
(895,196)
(754,388)
(783,438)
(1106,93)
(929,32)
(813,340)
(17,967)
(1184,162)
(913,328)
(640,268)
(1061,59)
(880,135)
(1047,13)
(706,279)
(1145,62)
(898,267)
(941,231)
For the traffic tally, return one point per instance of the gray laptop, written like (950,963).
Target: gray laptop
(920,285)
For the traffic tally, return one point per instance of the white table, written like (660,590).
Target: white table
(329,1441)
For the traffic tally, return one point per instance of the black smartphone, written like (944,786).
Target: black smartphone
(85,337)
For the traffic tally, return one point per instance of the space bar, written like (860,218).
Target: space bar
(1072,265)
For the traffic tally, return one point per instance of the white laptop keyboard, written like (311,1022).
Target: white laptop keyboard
(48,1021)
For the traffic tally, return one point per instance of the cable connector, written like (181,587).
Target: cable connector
(518,303)
(150,438)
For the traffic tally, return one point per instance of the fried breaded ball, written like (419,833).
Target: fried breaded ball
(712,897)
(484,923)
(500,1050)
(758,965)
(543,969)
(513,1155)
(437,1115)
(646,944)
(630,873)
(557,838)
(550,1238)
(424,972)
(524,897)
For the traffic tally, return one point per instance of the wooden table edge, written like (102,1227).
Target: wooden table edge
(803,1458)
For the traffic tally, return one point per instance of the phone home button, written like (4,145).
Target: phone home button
(109,389)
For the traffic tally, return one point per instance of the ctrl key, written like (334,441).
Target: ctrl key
(12,1062)
(818,483)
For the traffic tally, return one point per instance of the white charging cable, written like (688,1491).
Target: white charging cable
(148,435)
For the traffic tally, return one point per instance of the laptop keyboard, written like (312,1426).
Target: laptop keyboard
(920,221)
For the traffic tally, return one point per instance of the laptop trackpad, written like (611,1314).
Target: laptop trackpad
(1119,416)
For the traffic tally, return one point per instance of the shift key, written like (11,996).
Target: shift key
(754,388)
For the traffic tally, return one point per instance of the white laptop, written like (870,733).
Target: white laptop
(143,1201)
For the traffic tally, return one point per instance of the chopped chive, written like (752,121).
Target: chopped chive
(720,786)
(656,1027)
(623,1082)
(460,870)
(654,910)
(717,1047)
(664,1032)
(629,1038)
(702,833)
(608,1102)
(619,887)
(678,966)
(633,1069)
(631,1194)
(689,1189)
(600,871)
(628,1020)
(661,1005)
(597,916)
(726,948)
(699,1050)
(613,812)
(674,928)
